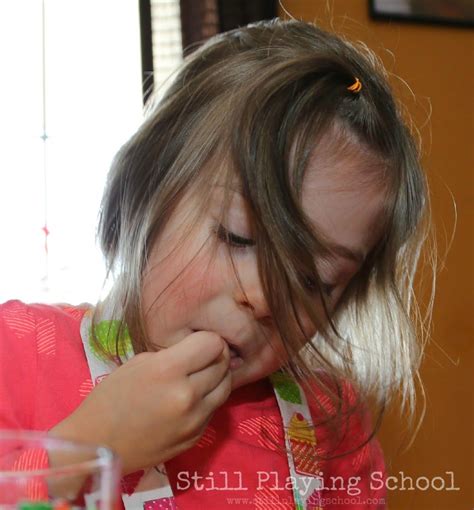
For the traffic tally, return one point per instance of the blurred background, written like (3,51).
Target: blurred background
(75,75)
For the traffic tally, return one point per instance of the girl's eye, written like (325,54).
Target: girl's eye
(233,239)
(327,288)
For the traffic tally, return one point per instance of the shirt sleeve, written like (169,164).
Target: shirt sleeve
(353,467)
(18,366)
(43,370)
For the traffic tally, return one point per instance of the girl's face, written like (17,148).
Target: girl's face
(186,289)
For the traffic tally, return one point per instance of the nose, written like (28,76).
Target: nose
(250,296)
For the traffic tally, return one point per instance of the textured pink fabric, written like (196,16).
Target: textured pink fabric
(44,377)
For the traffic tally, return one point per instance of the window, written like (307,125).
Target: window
(166,41)
(61,124)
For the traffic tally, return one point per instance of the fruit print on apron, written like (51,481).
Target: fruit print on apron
(153,490)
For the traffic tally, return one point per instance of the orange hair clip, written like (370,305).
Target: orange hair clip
(356,87)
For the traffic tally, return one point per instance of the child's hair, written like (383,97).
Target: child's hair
(251,105)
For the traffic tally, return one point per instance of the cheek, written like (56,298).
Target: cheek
(178,284)
(197,284)
(309,328)
(172,296)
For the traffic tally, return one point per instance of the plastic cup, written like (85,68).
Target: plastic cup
(40,472)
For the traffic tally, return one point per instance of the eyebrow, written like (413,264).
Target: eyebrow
(353,254)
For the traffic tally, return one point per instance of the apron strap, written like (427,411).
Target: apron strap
(300,441)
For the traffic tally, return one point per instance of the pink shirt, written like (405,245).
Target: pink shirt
(44,377)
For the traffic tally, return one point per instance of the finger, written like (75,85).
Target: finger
(196,351)
(218,395)
(208,378)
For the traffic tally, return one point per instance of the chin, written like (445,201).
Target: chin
(242,376)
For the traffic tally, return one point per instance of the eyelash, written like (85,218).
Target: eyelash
(327,288)
(243,242)
(233,239)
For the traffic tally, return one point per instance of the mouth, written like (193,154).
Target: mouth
(234,352)
(235,355)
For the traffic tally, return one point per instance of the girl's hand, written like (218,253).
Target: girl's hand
(156,405)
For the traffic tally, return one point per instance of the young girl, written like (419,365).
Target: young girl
(262,228)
